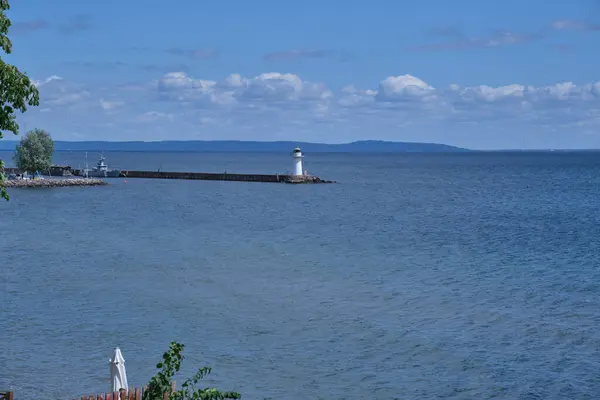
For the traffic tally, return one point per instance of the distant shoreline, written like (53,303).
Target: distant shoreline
(233,146)
(220,146)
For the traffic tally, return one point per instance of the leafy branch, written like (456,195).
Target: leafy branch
(17,92)
(170,365)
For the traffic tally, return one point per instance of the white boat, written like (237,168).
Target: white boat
(100,170)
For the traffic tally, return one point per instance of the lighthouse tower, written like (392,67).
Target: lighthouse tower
(297,156)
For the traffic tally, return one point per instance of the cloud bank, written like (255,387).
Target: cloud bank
(455,39)
(283,106)
(72,26)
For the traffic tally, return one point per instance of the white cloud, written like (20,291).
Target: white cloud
(177,86)
(460,41)
(405,87)
(110,105)
(490,94)
(277,86)
(569,24)
(279,106)
(47,80)
(57,92)
(267,87)
(153,116)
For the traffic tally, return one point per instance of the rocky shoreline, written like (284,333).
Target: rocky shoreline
(50,183)
(300,179)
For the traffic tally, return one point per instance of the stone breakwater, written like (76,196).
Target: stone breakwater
(298,179)
(50,183)
(206,176)
(203,176)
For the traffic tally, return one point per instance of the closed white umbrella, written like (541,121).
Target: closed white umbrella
(118,376)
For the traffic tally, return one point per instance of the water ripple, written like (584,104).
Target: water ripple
(420,276)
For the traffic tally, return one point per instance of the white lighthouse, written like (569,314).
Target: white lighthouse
(297,155)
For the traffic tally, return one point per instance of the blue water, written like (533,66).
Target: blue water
(459,276)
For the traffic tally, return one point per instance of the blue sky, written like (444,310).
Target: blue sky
(480,74)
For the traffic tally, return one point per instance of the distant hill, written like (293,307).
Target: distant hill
(367,146)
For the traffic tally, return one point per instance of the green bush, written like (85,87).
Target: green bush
(34,152)
(161,382)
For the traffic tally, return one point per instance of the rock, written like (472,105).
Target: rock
(300,179)
(49,183)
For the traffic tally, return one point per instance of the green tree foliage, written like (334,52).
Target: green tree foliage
(17,92)
(34,152)
(161,382)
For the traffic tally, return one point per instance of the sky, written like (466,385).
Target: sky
(496,74)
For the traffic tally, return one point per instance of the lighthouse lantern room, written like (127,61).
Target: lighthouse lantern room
(297,156)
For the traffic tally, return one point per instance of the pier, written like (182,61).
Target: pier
(206,176)
(201,176)
(299,177)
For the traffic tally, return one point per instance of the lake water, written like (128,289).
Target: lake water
(417,276)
